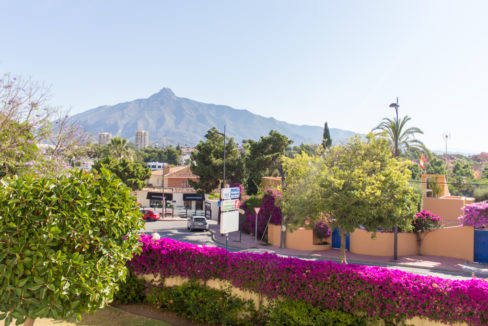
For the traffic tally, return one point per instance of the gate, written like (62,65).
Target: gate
(481,246)
(336,239)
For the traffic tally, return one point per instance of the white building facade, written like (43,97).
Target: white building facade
(142,139)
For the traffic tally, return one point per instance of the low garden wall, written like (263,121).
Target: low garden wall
(453,242)
(390,295)
(361,243)
(300,239)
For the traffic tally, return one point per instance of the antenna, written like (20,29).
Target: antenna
(446,136)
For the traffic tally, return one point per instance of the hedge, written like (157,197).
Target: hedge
(376,292)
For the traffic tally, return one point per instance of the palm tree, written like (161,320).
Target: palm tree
(119,148)
(401,138)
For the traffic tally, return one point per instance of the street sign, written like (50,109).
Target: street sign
(230,193)
(257,209)
(229,222)
(229,205)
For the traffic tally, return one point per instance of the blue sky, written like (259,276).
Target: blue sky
(304,62)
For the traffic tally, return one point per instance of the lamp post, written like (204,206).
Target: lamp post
(395,141)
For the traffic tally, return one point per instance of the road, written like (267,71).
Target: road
(177,230)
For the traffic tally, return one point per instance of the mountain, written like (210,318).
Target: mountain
(175,120)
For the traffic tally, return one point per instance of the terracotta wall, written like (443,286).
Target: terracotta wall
(455,242)
(300,239)
(270,183)
(274,234)
(362,243)
(448,208)
(441,181)
(176,182)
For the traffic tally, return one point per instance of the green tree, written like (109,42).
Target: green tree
(402,139)
(484,173)
(310,149)
(66,241)
(168,155)
(415,170)
(356,183)
(119,148)
(264,158)
(133,174)
(326,140)
(462,179)
(436,166)
(207,161)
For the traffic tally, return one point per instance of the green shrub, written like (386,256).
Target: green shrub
(205,305)
(296,313)
(217,307)
(132,290)
(481,193)
(65,242)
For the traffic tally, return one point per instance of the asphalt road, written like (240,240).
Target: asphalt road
(178,230)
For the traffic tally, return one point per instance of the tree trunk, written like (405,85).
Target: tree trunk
(29,322)
(419,243)
(343,247)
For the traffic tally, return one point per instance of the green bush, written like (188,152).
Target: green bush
(216,307)
(65,242)
(296,313)
(205,305)
(481,193)
(131,290)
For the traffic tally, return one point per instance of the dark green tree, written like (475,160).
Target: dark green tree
(484,173)
(326,140)
(416,171)
(264,158)
(207,161)
(133,174)
(168,155)
(462,179)
(436,166)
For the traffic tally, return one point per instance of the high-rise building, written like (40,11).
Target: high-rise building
(142,139)
(104,138)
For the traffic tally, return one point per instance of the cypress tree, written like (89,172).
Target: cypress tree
(326,140)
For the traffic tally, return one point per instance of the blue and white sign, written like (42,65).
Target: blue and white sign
(230,193)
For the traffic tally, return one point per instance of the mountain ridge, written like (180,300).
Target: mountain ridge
(170,119)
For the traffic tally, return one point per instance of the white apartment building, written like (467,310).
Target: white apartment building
(104,138)
(142,139)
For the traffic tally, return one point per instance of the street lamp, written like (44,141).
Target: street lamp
(395,239)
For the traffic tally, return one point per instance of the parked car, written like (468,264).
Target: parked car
(197,222)
(149,215)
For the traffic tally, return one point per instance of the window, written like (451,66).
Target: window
(184,184)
